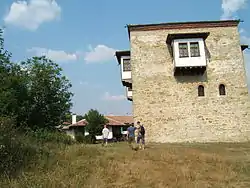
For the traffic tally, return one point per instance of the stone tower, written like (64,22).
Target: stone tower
(189,81)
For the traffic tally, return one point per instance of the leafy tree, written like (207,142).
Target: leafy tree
(48,92)
(13,90)
(96,121)
(67,117)
(6,91)
(34,93)
(79,117)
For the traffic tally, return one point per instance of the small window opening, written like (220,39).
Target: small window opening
(194,49)
(222,89)
(183,49)
(201,91)
(126,65)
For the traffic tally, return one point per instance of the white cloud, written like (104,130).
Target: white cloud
(100,53)
(55,55)
(243,37)
(242,31)
(32,14)
(230,7)
(90,85)
(108,97)
(84,83)
(245,40)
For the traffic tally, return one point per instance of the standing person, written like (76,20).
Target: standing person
(131,134)
(105,134)
(141,136)
(137,132)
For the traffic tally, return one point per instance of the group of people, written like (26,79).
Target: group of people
(134,135)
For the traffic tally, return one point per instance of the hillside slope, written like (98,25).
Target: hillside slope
(159,165)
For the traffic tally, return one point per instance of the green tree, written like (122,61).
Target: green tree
(34,93)
(96,121)
(48,92)
(67,118)
(13,90)
(79,117)
(7,101)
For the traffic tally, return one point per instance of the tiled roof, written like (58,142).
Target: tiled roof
(119,120)
(80,123)
(66,123)
(113,121)
(62,125)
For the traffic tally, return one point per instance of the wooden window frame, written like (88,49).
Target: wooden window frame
(126,67)
(182,51)
(194,50)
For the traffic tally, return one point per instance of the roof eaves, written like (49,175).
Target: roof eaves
(179,24)
(244,46)
(109,118)
(121,53)
(174,36)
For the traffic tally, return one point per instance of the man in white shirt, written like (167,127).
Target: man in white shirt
(105,134)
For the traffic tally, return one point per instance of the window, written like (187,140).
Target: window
(222,89)
(194,49)
(183,49)
(126,65)
(201,91)
(189,47)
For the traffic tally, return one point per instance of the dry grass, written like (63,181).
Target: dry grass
(159,165)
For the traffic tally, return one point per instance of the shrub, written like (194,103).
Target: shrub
(22,148)
(79,137)
(43,135)
(89,139)
(15,149)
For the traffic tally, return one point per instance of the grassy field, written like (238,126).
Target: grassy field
(159,165)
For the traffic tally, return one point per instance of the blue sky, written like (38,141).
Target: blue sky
(82,36)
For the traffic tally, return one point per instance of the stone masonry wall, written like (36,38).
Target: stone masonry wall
(170,108)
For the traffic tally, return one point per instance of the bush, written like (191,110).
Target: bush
(22,148)
(80,138)
(43,135)
(16,150)
(89,139)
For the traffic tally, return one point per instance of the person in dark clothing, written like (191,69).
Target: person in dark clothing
(141,136)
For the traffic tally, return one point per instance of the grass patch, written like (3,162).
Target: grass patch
(24,149)
(159,165)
